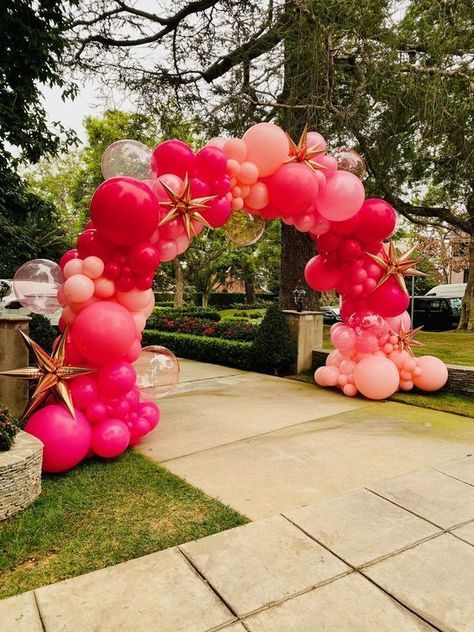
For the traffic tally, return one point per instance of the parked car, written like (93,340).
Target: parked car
(452,290)
(331,315)
(436,313)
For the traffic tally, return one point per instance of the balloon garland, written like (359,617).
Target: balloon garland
(148,209)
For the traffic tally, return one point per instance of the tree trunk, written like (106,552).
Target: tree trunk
(249,283)
(299,87)
(179,283)
(466,322)
(205,299)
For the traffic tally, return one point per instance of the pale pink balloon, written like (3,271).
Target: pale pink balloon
(79,288)
(267,147)
(233,169)
(399,357)
(341,380)
(350,390)
(245,190)
(347,366)
(406,385)
(78,307)
(182,243)
(148,309)
(341,197)
(237,204)
(304,222)
(395,322)
(329,165)
(73,266)
(257,197)
(140,320)
(135,300)
(104,288)
(434,373)
(376,377)
(334,358)
(319,376)
(330,375)
(93,267)
(314,139)
(167,250)
(218,141)
(236,149)
(248,173)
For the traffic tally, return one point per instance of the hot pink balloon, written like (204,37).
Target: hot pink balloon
(211,163)
(116,379)
(110,437)
(66,440)
(319,276)
(376,220)
(389,299)
(292,189)
(376,377)
(149,411)
(434,373)
(172,156)
(83,390)
(218,212)
(341,197)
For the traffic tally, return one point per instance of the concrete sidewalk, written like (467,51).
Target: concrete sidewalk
(363,520)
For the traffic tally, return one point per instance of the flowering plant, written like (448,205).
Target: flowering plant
(8,430)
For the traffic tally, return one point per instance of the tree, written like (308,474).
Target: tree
(395,78)
(32,45)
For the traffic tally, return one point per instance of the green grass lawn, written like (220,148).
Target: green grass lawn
(450,346)
(102,513)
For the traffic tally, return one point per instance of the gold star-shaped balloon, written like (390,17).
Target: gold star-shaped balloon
(186,207)
(406,339)
(396,265)
(301,152)
(51,373)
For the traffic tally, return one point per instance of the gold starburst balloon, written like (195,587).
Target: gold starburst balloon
(301,152)
(51,374)
(406,339)
(186,207)
(396,265)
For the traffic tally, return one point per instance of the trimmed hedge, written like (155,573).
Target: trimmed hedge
(226,329)
(195,312)
(214,350)
(224,300)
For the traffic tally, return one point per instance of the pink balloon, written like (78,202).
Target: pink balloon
(103,332)
(124,210)
(67,256)
(434,373)
(96,412)
(66,440)
(350,390)
(257,197)
(141,426)
(211,163)
(344,339)
(314,139)
(83,390)
(167,250)
(320,226)
(376,377)
(341,197)
(395,322)
(319,376)
(376,220)
(110,437)
(104,288)
(248,173)
(71,267)
(389,299)
(236,149)
(292,189)
(93,267)
(78,288)
(172,156)
(134,351)
(267,147)
(304,222)
(149,411)
(182,244)
(367,342)
(116,379)
(133,397)
(91,244)
(135,299)
(319,276)
(331,375)
(218,212)
(328,164)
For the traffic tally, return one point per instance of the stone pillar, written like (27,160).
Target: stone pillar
(13,355)
(306,329)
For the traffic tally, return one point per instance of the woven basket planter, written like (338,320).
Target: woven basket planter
(20,474)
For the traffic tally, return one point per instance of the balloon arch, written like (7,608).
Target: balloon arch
(151,204)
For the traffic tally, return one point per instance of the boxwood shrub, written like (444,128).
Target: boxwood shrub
(214,350)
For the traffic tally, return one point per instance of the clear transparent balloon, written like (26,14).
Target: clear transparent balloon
(126,158)
(157,371)
(36,285)
(244,229)
(349,160)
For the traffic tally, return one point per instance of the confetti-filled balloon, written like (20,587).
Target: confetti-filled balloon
(36,285)
(244,229)
(157,368)
(350,160)
(126,158)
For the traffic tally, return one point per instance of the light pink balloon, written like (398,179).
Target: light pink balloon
(434,373)
(104,288)
(399,357)
(267,147)
(135,300)
(93,267)
(182,243)
(350,390)
(315,139)
(78,288)
(167,249)
(331,373)
(376,377)
(319,376)
(236,149)
(73,266)
(140,320)
(395,322)
(257,197)
(248,173)
(218,141)
(341,197)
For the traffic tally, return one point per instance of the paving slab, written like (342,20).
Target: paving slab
(262,562)
(431,495)
(350,604)
(203,414)
(160,591)
(191,371)
(235,627)
(20,614)
(309,462)
(361,527)
(463,469)
(434,579)
(466,533)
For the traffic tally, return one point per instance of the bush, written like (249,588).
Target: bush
(164,304)
(226,300)
(8,430)
(215,350)
(42,331)
(227,329)
(274,350)
(195,312)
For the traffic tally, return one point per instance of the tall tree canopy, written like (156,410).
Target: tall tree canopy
(32,43)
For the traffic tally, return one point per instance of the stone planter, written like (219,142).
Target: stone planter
(20,474)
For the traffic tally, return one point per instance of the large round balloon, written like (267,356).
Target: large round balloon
(319,276)
(376,377)
(293,188)
(125,211)
(66,440)
(110,437)
(434,373)
(376,220)
(126,158)
(157,368)
(341,197)
(172,156)
(103,332)
(244,229)
(267,147)
(36,285)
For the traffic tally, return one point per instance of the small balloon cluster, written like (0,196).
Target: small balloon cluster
(374,357)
